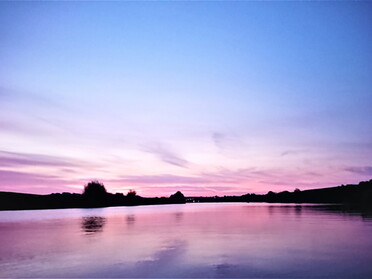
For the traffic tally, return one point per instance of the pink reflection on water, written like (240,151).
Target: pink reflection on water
(192,240)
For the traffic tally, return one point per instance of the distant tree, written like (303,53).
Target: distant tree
(297,195)
(283,193)
(271,196)
(178,197)
(131,193)
(94,189)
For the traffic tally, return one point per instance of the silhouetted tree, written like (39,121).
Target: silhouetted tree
(131,193)
(178,197)
(296,197)
(94,189)
(95,194)
(271,196)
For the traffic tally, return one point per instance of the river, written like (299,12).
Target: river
(211,240)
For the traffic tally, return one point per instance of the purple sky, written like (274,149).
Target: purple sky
(210,98)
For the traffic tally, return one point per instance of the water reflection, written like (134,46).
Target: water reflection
(321,209)
(224,270)
(178,216)
(163,262)
(131,219)
(193,240)
(346,210)
(93,224)
(298,210)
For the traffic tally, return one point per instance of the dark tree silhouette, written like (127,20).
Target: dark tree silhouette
(271,196)
(178,197)
(94,189)
(131,193)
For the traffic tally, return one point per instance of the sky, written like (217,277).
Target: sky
(205,97)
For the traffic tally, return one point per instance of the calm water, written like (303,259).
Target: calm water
(191,240)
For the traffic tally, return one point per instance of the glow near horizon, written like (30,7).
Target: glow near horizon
(207,97)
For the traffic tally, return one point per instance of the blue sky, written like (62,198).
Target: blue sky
(205,97)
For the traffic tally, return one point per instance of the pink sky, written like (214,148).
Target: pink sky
(43,174)
(212,98)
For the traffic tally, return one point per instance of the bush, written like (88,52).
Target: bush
(94,189)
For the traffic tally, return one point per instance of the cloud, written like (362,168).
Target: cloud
(219,139)
(17,177)
(236,176)
(227,141)
(291,152)
(164,184)
(33,112)
(10,125)
(20,96)
(5,95)
(366,170)
(17,181)
(162,179)
(219,182)
(51,173)
(192,188)
(222,176)
(14,159)
(165,154)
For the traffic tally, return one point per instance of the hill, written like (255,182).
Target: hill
(359,194)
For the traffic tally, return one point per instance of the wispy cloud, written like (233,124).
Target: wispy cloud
(15,159)
(12,95)
(291,152)
(217,177)
(162,179)
(32,114)
(219,139)
(193,190)
(366,170)
(17,181)
(227,141)
(237,175)
(165,154)
(39,173)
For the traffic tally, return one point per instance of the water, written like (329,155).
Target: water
(191,240)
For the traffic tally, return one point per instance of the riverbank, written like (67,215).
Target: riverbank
(358,194)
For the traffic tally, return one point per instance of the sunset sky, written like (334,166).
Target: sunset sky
(210,98)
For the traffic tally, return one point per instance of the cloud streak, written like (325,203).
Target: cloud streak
(165,154)
(291,152)
(26,182)
(230,143)
(18,96)
(14,159)
(366,170)
(163,179)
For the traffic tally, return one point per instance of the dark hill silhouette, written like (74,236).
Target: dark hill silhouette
(95,195)
(359,194)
